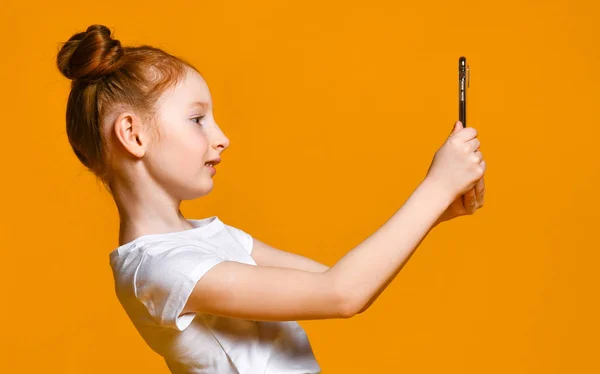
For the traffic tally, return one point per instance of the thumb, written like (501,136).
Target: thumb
(457,127)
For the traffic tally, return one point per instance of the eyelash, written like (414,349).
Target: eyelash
(198,118)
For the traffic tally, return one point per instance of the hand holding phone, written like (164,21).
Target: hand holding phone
(472,199)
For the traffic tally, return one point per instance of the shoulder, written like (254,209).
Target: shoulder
(150,256)
(241,236)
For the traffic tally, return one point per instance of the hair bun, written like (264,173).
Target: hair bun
(90,55)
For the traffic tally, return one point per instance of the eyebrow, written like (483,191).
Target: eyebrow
(202,104)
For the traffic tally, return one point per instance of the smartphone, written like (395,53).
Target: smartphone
(464,81)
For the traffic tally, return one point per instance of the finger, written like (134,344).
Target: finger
(470,201)
(473,145)
(478,156)
(466,134)
(480,191)
(456,128)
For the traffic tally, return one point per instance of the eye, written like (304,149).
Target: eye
(198,118)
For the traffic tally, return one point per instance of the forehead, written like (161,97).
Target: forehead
(191,92)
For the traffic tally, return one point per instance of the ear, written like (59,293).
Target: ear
(130,132)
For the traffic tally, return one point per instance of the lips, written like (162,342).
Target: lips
(212,169)
(213,162)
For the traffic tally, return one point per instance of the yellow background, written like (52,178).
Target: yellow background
(334,111)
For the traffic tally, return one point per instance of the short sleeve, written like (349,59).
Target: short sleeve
(241,237)
(165,279)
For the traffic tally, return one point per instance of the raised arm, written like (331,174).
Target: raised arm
(238,290)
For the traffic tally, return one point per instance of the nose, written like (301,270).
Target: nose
(221,141)
(224,143)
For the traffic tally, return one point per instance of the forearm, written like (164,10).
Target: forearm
(364,272)
(391,278)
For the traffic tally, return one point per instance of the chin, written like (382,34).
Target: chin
(206,188)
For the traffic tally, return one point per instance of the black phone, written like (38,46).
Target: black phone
(464,81)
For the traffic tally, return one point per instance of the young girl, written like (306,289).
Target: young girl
(207,296)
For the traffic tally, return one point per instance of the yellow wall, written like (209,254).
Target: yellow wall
(334,111)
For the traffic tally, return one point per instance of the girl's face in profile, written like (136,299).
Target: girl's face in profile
(189,138)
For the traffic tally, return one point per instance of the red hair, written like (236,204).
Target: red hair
(106,79)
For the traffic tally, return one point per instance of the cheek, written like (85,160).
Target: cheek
(184,154)
(193,148)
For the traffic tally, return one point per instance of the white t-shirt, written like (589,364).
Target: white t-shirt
(154,276)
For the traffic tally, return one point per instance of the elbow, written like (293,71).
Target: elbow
(348,302)
(350,305)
